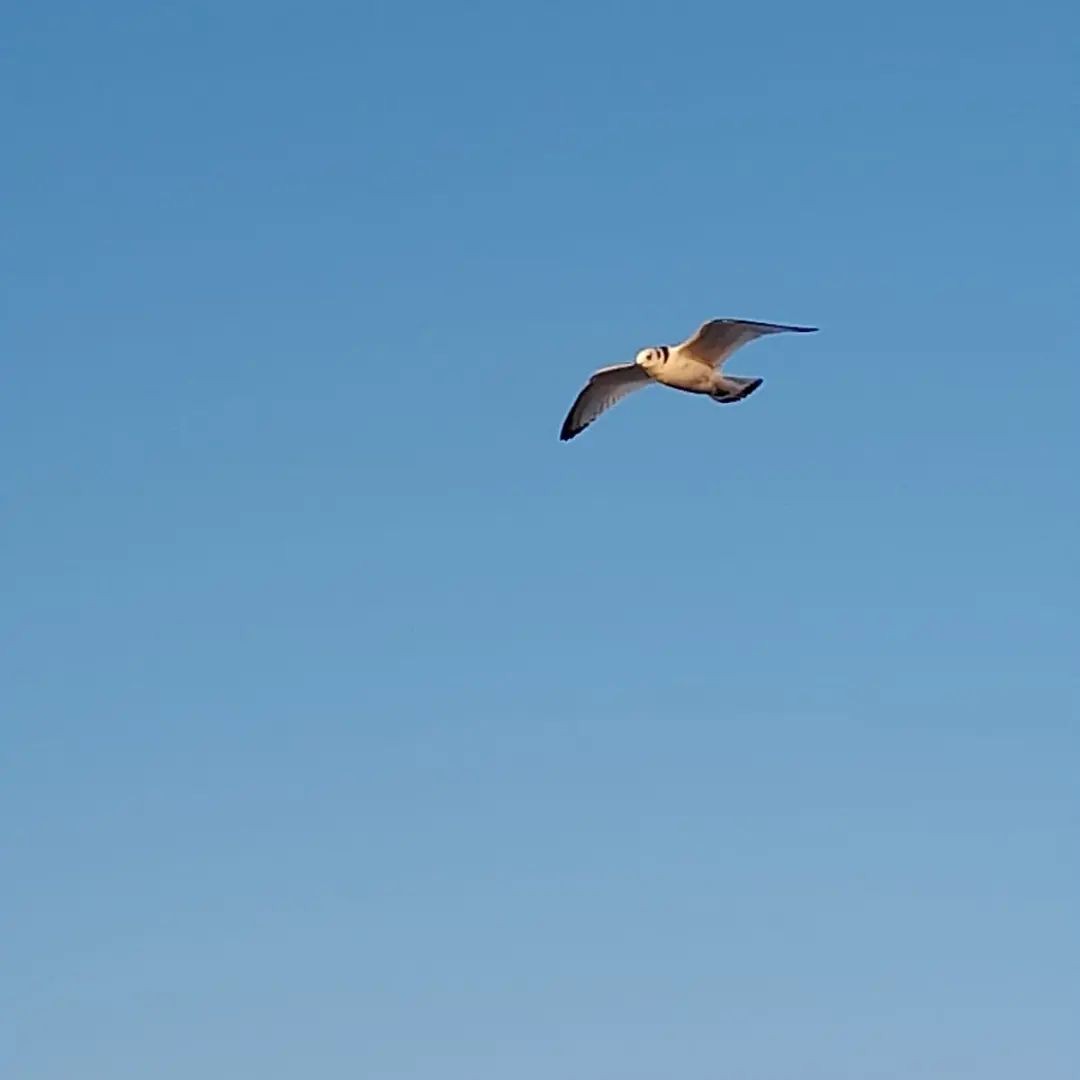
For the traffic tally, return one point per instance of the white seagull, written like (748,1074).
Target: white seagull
(694,365)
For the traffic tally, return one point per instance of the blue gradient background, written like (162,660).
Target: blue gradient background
(354,727)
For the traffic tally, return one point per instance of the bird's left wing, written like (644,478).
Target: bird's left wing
(717,339)
(606,387)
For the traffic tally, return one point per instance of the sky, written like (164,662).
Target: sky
(354,726)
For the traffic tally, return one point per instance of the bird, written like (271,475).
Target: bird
(695,365)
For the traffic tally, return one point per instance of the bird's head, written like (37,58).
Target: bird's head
(652,358)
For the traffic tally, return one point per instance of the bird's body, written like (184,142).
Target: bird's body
(693,366)
(683,372)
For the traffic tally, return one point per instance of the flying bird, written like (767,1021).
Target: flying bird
(695,366)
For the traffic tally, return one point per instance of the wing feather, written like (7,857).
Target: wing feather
(606,387)
(717,339)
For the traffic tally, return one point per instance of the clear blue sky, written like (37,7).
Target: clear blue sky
(353,726)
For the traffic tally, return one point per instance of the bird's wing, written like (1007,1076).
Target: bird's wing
(717,339)
(604,389)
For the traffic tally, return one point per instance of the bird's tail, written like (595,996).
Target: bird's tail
(731,388)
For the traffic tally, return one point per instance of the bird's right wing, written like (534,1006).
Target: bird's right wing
(606,387)
(717,339)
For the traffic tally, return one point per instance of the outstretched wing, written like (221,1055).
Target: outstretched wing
(717,339)
(604,389)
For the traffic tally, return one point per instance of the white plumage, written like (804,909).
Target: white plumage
(694,366)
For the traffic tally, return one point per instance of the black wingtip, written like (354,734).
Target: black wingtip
(570,430)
